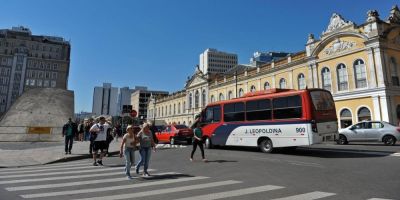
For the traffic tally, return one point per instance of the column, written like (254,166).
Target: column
(290,81)
(310,76)
(315,76)
(380,67)
(371,69)
(384,108)
(377,108)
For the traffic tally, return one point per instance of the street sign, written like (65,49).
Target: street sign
(133,113)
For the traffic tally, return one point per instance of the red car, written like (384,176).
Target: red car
(175,133)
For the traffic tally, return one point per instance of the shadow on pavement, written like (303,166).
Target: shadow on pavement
(317,152)
(220,161)
(165,176)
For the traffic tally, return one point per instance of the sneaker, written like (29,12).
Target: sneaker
(100,162)
(191,159)
(129,177)
(95,164)
(66,153)
(204,160)
(69,152)
(146,174)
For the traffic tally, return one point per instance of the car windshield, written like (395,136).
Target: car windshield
(180,126)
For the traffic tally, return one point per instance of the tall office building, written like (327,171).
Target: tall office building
(124,98)
(141,98)
(213,61)
(105,100)
(30,61)
(260,58)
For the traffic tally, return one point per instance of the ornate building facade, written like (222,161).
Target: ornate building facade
(359,64)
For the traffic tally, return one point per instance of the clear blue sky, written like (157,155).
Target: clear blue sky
(157,43)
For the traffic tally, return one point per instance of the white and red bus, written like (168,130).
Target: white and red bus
(271,118)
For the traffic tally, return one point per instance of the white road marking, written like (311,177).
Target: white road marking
(46,186)
(63,177)
(81,166)
(379,199)
(163,191)
(395,154)
(308,196)
(50,166)
(110,188)
(98,169)
(234,193)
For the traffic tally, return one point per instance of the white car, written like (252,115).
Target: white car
(370,131)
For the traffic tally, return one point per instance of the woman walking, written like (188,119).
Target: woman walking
(198,141)
(128,147)
(146,141)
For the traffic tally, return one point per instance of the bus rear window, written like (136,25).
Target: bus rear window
(322,100)
(212,114)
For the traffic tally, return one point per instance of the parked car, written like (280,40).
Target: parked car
(370,131)
(175,133)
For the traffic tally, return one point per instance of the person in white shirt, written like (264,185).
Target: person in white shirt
(100,143)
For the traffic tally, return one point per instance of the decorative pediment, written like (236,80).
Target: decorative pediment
(394,16)
(339,46)
(336,23)
(197,79)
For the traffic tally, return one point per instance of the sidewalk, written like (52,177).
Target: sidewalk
(26,156)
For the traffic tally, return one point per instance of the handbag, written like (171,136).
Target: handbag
(92,137)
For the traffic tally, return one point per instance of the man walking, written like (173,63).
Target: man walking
(100,143)
(70,129)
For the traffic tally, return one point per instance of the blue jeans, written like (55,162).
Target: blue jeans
(69,140)
(145,153)
(86,137)
(129,154)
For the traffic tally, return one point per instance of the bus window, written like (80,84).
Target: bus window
(322,100)
(212,114)
(234,112)
(287,107)
(258,110)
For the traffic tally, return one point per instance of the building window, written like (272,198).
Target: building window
(326,79)
(196,99)
(170,109)
(241,92)
(394,72)
(179,108)
(301,81)
(212,98)
(221,97)
(282,83)
(230,95)
(39,83)
(162,111)
(364,114)
(345,118)
(266,86)
(174,109)
(184,107)
(252,88)
(190,100)
(203,98)
(360,74)
(46,83)
(342,77)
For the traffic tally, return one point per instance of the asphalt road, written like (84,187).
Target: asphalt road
(361,171)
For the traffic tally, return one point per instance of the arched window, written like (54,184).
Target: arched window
(184,107)
(282,83)
(162,112)
(345,118)
(230,95)
(179,108)
(342,77)
(166,110)
(394,72)
(326,79)
(158,114)
(174,109)
(179,122)
(203,98)
(212,98)
(196,99)
(360,74)
(170,109)
(221,97)
(266,86)
(364,114)
(190,101)
(184,123)
(252,88)
(301,81)
(241,92)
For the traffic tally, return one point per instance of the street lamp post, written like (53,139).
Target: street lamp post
(154,110)
(236,84)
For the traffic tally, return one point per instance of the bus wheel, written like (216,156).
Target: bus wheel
(266,146)
(389,140)
(342,140)
(208,143)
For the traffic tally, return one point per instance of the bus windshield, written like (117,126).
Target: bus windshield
(322,100)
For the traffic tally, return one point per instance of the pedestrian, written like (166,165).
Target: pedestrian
(128,148)
(198,141)
(87,128)
(69,131)
(100,130)
(147,144)
(81,130)
(109,139)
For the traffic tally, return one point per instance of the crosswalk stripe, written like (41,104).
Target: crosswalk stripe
(308,196)
(62,177)
(379,199)
(82,166)
(395,154)
(98,169)
(46,166)
(46,186)
(163,191)
(110,188)
(234,193)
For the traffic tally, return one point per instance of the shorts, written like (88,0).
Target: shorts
(100,145)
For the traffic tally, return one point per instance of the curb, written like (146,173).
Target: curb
(78,157)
